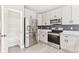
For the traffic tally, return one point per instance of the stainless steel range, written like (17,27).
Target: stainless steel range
(54,38)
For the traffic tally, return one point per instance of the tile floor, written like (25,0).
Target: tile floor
(37,48)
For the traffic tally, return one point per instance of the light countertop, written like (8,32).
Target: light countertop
(71,32)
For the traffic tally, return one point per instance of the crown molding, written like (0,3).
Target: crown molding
(45,11)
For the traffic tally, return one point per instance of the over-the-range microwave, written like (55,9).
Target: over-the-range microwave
(56,21)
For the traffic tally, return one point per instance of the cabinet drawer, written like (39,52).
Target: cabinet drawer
(64,36)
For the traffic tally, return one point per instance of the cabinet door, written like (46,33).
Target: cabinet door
(39,37)
(75,14)
(58,13)
(42,37)
(52,14)
(77,44)
(44,19)
(66,15)
(48,17)
(46,36)
(70,43)
(63,42)
(39,19)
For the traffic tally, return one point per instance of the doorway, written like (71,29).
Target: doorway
(11,29)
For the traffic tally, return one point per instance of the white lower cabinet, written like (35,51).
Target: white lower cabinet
(68,42)
(77,45)
(39,34)
(43,35)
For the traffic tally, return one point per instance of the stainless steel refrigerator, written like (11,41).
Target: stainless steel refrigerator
(30,32)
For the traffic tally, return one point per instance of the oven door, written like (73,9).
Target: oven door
(54,39)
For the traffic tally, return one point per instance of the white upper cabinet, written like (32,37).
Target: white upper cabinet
(44,19)
(39,19)
(75,14)
(57,13)
(69,15)
(48,17)
(66,15)
(52,15)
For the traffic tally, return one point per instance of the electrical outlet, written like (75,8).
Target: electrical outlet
(71,28)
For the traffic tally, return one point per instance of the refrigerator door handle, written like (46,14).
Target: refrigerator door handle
(27,28)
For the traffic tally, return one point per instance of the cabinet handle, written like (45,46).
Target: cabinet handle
(61,18)
(43,35)
(3,35)
(65,36)
(66,40)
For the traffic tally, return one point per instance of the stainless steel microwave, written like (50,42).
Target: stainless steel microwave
(56,21)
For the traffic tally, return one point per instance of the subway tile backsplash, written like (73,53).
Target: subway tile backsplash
(65,27)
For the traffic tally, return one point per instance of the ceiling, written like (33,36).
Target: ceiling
(42,8)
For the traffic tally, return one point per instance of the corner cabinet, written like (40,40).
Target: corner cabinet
(69,42)
(43,19)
